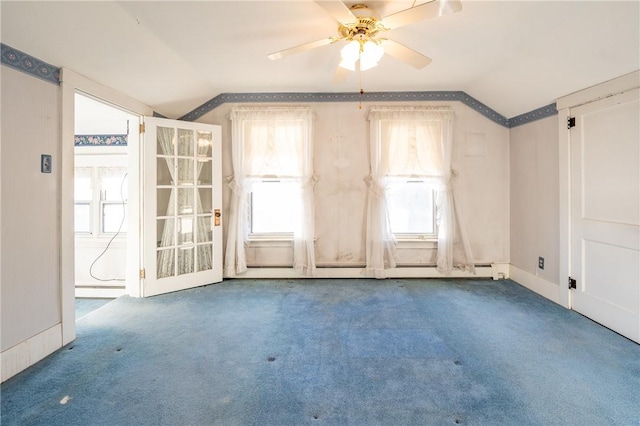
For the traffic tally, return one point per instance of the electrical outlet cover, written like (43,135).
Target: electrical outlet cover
(45,163)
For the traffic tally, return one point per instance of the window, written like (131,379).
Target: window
(270,208)
(272,183)
(411,149)
(411,205)
(100,200)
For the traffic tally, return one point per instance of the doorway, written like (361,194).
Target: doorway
(105,140)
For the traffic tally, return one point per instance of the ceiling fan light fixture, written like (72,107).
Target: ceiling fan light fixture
(371,54)
(350,53)
(368,53)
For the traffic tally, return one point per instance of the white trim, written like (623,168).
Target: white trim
(66,231)
(536,284)
(92,292)
(70,83)
(563,105)
(489,271)
(27,353)
(564,206)
(599,91)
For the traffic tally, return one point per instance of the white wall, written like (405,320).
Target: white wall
(535,198)
(30,204)
(341,161)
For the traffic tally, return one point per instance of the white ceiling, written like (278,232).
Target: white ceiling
(514,56)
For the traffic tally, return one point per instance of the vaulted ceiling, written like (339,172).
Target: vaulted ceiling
(513,56)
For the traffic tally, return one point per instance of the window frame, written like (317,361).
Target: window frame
(95,158)
(418,236)
(264,236)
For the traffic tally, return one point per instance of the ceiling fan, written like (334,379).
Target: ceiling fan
(360,26)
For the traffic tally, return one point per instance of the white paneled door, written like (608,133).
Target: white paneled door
(605,212)
(182,204)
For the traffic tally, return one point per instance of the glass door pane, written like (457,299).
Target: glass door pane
(182,234)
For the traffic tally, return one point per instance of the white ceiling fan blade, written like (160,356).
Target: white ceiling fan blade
(338,10)
(432,9)
(404,54)
(301,48)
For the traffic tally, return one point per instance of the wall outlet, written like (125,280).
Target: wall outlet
(541,262)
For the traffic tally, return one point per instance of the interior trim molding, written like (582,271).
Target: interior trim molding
(26,63)
(25,354)
(544,288)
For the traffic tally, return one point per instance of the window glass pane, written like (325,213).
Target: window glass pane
(82,183)
(205,233)
(82,217)
(205,142)
(185,232)
(185,172)
(114,218)
(411,208)
(185,142)
(165,232)
(271,207)
(205,173)
(185,201)
(205,257)
(166,263)
(113,183)
(185,261)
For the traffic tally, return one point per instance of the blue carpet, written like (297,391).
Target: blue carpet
(85,306)
(334,352)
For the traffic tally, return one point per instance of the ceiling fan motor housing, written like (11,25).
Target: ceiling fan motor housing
(368,24)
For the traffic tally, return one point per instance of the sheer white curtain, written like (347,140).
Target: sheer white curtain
(413,142)
(271,142)
(204,234)
(166,258)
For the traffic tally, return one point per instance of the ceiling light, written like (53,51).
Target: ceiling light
(368,53)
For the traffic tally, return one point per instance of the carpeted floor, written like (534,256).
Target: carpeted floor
(85,306)
(334,352)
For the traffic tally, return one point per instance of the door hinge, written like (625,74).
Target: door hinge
(141,127)
(571,122)
(572,283)
(143,273)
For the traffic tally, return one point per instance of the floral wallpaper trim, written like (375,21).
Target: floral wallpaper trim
(100,140)
(21,61)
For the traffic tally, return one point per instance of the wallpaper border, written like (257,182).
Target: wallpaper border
(537,114)
(100,140)
(26,63)
(347,97)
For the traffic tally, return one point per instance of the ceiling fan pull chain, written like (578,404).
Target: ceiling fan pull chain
(361,90)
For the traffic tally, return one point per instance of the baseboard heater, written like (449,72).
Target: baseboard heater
(494,271)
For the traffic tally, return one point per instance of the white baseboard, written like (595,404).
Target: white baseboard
(494,271)
(536,284)
(27,353)
(99,293)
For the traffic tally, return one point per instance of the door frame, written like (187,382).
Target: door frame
(564,106)
(70,83)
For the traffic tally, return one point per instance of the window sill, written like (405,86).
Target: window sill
(270,241)
(409,243)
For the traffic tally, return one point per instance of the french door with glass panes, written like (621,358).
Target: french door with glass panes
(182,201)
